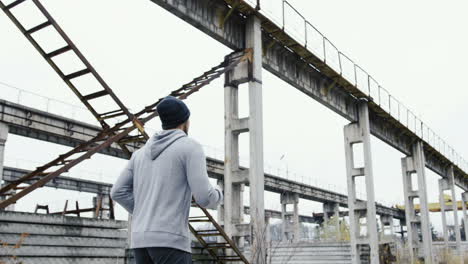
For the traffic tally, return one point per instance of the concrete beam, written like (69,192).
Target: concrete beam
(33,123)
(62,182)
(51,240)
(40,229)
(31,218)
(61,251)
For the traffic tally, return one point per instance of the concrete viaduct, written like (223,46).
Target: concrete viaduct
(368,107)
(29,122)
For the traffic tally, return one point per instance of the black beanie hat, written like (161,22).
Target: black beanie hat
(172,112)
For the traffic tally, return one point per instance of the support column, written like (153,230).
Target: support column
(355,133)
(268,229)
(332,210)
(465,215)
(97,205)
(443,185)
(235,179)
(329,210)
(233,202)
(3,139)
(451,182)
(291,224)
(387,224)
(256,171)
(102,205)
(417,224)
(402,229)
(220,209)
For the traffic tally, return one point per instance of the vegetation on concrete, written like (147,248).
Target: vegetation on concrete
(8,251)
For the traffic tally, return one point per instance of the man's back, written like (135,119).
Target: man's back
(162,176)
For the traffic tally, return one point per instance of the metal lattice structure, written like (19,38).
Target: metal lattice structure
(102,91)
(121,132)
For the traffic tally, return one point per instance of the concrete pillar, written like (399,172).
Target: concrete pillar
(234,178)
(3,139)
(416,224)
(332,210)
(104,202)
(284,223)
(220,209)
(291,225)
(256,172)
(233,186)
(402,229)
(465,215)
(451,182)
(97,202)
(233,206)
(386,221)
(443,185)
(268,229)
(355,133)
(328,210)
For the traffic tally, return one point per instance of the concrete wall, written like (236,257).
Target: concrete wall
(310,253)
(58,239)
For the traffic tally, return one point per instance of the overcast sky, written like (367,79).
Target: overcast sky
(415,49)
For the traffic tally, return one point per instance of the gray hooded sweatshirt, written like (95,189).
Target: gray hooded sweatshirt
(157,186)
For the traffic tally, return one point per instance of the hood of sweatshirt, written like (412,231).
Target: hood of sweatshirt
(162,140)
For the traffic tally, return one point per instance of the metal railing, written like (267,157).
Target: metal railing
(27,164)
(23,97)
(285,16)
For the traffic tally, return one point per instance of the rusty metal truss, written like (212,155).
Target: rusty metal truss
(118,133)
(79,80)
(220,247)
(115,130)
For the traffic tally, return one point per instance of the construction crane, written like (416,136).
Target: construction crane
(129,133)
(435,207)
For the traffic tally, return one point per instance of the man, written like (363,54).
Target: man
(157,186)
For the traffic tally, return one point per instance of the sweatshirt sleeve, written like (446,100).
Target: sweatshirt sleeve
(122,190)
(204,193)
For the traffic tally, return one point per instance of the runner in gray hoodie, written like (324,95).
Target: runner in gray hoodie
(157,185)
